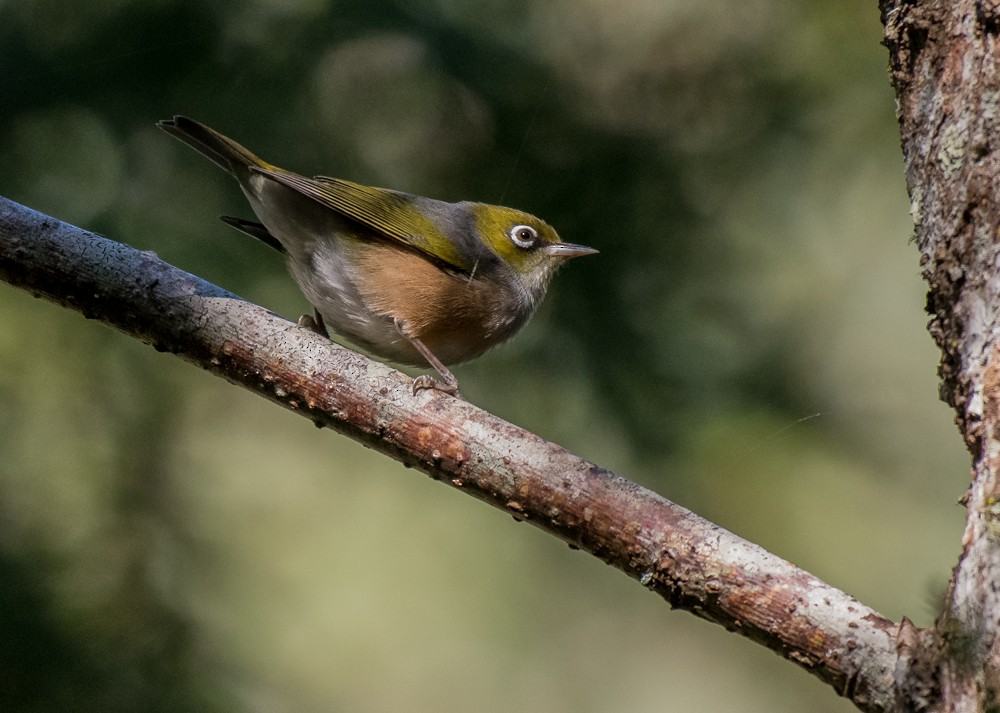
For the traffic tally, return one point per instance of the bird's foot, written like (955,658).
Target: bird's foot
(426,381)
(314,324)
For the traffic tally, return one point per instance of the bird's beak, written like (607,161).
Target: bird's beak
(568,250)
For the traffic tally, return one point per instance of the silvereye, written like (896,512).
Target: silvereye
(414,280)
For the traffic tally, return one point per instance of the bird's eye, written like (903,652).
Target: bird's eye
(523,236)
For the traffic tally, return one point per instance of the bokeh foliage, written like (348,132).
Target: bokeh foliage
(749,341)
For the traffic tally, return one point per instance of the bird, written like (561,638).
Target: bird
(413,280)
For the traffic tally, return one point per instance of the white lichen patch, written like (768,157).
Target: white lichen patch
(951,155)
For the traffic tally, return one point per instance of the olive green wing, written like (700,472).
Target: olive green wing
(397,216)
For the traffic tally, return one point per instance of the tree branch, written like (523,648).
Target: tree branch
(944,60)
(687,560)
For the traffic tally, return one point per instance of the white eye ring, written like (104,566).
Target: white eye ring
(523,236)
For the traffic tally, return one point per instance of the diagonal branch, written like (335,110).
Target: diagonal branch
(687,560)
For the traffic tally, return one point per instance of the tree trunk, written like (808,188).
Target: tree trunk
(943,59)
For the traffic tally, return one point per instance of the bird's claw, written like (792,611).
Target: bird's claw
(306,321)
(426,381)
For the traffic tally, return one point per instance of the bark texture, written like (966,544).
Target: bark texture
(945,66)
(687,560)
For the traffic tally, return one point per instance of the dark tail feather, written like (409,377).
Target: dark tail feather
(254,230)
(210,143)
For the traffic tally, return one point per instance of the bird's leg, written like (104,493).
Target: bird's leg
(449,383)
(314,324)
(425,381)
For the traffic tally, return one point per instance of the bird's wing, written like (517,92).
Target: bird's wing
(389,213)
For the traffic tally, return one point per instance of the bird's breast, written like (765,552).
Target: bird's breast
(457,316)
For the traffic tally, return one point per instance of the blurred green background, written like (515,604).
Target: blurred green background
(750,342)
